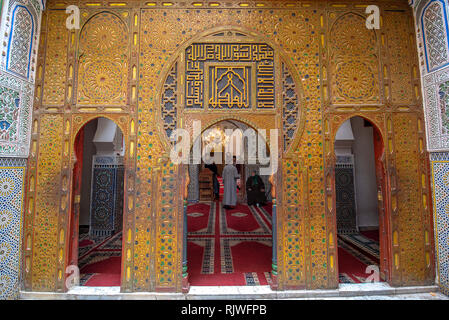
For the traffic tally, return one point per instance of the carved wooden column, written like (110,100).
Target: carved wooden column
(185,274)
(274,262)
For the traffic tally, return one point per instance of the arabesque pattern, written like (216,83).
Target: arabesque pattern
(103,59)
(440,179)
(354,68)
(21,42)
(434,25)
(12,176)
(290,106)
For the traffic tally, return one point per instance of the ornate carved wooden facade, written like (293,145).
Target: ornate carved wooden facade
(140,64)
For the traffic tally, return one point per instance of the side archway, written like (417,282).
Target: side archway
(98,199)
(359,202)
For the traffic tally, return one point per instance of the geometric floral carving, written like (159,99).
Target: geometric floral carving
(436,93)
(434,25)
(401,55)
(102,80)
(354,68)
(294,220)
(290,106)
(20,26)
(102,33)
(169,101)
(44,261)
(355,80)
(56,59)
(294,34)
(409,200)
(103,61)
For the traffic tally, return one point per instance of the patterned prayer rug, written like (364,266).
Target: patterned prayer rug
(85,243)
(362,242)
(100,260)
(229,247)
(268,277)
(252,279)
(201,218)
(244,220)
(351,268)
(85,277)
(344,278)
(354,259)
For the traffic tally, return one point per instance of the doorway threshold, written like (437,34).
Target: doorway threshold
(344,291)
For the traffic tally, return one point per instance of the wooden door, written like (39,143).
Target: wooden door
(76,195)
(382,205)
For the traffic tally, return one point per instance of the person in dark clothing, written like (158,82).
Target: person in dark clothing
(255,190)
(239,167)
(213,167)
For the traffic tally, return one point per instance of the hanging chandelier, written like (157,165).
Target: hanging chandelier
(215,138)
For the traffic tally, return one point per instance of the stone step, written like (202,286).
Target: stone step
(237,292)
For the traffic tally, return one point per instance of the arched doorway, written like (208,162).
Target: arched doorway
(96,219)
(229,245)
(241,87)
(361,217)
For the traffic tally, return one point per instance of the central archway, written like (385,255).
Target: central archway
(233,74)
(229,245)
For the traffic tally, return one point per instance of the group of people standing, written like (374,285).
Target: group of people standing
(255,188)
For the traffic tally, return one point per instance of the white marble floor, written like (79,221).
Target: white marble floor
(412,296)
(365,291)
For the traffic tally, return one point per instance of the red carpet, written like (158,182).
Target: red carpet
(225,247)
(229,247)
(100,261)
(350,268)
(221,188)
(220,181)
(355,253)
(371,234)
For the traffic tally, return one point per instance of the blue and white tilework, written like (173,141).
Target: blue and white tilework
(15,116)
(20,29)
(440,182)
(432,31)
(12,174)
(19,32)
